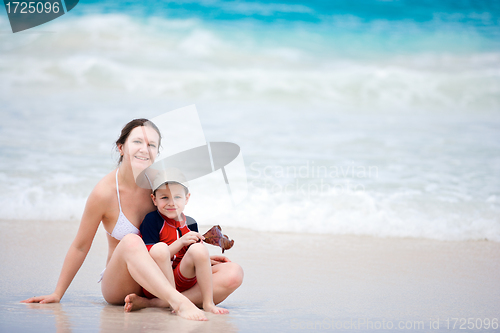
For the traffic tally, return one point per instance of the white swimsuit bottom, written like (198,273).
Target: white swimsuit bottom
(102,274)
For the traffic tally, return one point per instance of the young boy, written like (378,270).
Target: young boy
(171,241)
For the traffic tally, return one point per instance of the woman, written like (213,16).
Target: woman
(121,205)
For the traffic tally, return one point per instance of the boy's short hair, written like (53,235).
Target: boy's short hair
(186,189)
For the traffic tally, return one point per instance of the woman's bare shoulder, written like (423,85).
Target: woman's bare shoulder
(99,200)
(105,189)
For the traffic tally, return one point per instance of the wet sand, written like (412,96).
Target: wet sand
(293,282)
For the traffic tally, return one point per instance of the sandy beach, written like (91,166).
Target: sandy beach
(293,282)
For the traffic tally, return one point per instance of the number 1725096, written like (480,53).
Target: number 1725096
(32,7)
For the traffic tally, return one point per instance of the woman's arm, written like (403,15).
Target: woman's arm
(92,216)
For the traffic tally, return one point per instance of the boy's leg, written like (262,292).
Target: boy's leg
(161,255)
(196,262)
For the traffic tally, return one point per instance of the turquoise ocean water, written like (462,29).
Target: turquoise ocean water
(376,118)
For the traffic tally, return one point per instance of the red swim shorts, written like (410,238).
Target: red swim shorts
(181,283)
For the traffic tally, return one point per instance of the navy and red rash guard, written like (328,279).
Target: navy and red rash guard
(158,228)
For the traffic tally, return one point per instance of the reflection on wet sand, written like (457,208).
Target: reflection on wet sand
(63,322)
(113,318)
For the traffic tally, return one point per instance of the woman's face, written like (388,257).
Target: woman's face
(140,148)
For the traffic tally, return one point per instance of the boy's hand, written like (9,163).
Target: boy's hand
(191,238)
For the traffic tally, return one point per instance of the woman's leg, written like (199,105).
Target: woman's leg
(131,267)
(161,255)
(226,278)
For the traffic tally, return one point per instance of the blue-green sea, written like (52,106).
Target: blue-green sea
(377,118)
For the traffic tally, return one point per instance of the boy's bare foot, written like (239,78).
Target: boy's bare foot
(188,310)
(215,309)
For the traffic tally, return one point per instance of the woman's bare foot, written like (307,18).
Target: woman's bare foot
(188,310)
(134,303)
(215,309)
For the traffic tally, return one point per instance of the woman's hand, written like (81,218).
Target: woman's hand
(52,298)
(191,238)
(217,259)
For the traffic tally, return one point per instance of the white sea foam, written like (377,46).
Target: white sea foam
(426,121)
(361,213)
(337,211)
(188,58)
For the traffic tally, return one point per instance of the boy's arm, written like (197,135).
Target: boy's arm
(176,246)
(150,229)
(186,240)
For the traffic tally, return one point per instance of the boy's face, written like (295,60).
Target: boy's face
(170,199)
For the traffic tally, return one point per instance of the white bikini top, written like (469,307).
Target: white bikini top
(123,226)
